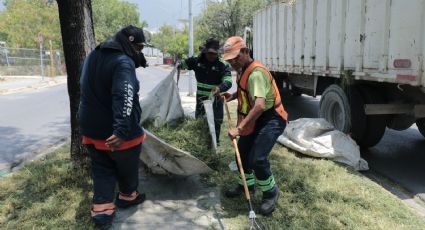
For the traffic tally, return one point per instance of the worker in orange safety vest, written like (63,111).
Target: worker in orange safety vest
(261,120)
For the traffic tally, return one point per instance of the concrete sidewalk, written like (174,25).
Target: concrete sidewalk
(18,84)
(173,202)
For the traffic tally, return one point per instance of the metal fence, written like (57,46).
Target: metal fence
(31,62)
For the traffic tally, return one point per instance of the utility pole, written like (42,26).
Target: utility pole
(40,41)
(6,51)
(52,66)
(190,46)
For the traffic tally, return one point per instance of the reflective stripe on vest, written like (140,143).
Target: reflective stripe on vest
(244,98)
(204,89)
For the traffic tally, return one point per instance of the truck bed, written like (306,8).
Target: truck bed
(375,40)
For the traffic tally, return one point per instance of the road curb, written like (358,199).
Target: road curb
(414,201)
(35,86)
(38,155)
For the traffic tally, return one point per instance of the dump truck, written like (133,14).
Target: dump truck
(364,58)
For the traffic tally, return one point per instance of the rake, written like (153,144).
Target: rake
(255,224)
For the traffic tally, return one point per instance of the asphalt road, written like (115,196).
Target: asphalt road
(399,156)
(31,122)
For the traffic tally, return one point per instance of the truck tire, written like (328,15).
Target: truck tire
(375,124)
(358,116)
(351,106)
(335,108)
(421,126)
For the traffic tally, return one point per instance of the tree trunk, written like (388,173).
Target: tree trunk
(78,40)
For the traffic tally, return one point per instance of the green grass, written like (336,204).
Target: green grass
(320,194)
(315,194)
(46,194)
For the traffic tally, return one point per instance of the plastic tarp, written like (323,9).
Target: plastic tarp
(209,113)
(318,138)
(163,105)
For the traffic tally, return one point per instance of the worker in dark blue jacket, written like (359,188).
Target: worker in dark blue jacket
(213,77)
(109,116)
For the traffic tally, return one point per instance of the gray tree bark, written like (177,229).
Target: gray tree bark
(78,40)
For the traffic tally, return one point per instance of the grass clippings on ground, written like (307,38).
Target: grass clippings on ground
(46,194)
(315,194)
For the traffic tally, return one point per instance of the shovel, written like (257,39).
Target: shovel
(254,222)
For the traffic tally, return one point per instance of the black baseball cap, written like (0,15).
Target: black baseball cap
(211,46)
(135,34)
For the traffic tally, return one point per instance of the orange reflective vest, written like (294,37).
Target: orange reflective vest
(245,103)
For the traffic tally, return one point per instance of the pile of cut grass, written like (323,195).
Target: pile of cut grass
(190,135)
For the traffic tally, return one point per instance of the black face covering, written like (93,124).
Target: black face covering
(143,63)
(128,48)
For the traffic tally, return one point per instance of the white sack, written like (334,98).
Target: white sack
(163,104)
(318,138)
(209,113)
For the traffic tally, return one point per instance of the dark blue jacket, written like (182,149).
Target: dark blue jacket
(109,102)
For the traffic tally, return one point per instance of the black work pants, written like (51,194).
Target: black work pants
(109,167)
(256,147)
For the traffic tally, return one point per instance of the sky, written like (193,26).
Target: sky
(159,12)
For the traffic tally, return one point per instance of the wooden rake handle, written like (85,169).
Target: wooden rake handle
(238,155)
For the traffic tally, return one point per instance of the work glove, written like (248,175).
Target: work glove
(215,91)
(226,96)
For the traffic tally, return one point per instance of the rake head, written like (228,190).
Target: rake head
(254,223)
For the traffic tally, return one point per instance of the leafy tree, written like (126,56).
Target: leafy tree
(111,15)
(222,19)
(21,20)
(173,41)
